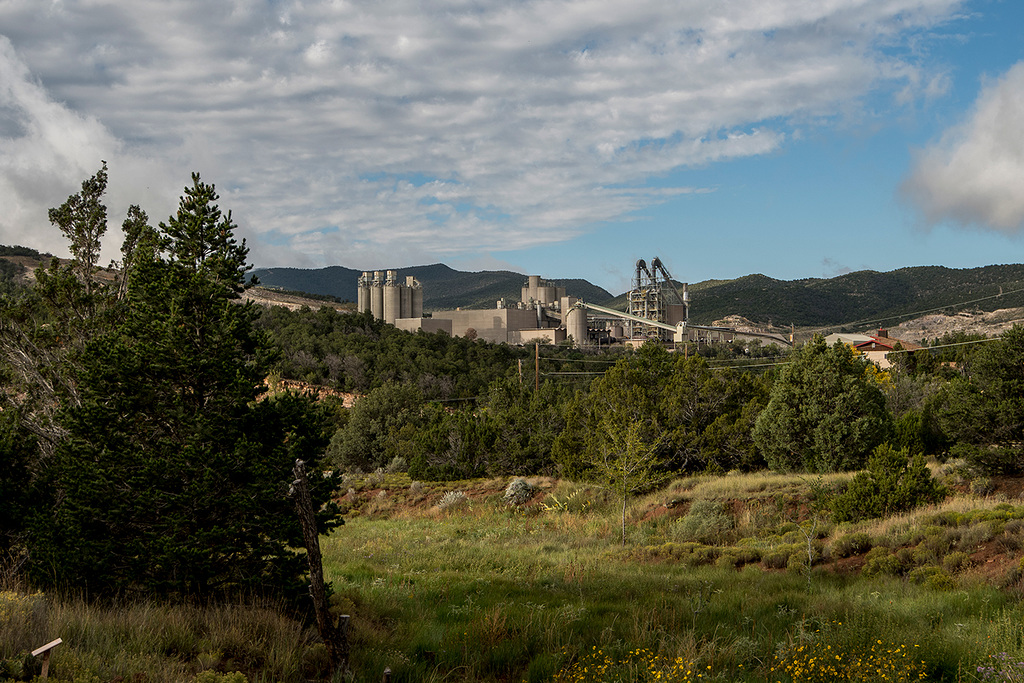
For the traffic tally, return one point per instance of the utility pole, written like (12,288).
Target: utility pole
(536,368)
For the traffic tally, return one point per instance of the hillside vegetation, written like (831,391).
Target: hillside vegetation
(732,578)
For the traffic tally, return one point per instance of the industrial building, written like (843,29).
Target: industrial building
(388,298)
(546,314)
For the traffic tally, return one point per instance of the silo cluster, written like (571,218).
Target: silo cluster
(387,298)
(539,292)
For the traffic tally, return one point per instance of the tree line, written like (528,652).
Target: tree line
(819,409)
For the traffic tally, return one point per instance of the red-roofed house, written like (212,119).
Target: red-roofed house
(881,344)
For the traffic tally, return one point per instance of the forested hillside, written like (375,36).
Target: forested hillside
(866,296)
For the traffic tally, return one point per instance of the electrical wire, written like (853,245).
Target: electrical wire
(915,313)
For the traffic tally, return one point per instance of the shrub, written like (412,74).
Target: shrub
(397,464)
(728,560)
(734,558)
(925,575)
(778,557)
(883,561)
(924,553)
(956,562)
(575,502)
(376,479)
(982,486)
(706,522)
(974,535)
(1014,577)
(893,483)
(990,460)
(940,582)
(1010,543)
(519,492)
(453,500)
(847,545)
(797,562)
(1014,526)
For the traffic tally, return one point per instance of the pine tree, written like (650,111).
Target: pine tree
(173,479)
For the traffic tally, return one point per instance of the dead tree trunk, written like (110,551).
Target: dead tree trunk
(335,639)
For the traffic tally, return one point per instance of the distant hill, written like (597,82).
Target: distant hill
(443,287)
(866,297)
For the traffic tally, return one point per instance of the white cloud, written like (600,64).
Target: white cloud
(44,150)
(411,130)
(974,175)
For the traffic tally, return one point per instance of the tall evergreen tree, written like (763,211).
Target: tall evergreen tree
(173,479)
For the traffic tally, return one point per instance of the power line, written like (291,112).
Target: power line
(916,313)
(578,360)
(551,374)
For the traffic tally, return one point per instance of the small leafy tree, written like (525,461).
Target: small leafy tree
(83,220)
(629,462)
(44,332)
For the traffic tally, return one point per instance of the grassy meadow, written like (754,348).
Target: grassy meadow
(722,578)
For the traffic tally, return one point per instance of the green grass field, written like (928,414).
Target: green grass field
(487,592)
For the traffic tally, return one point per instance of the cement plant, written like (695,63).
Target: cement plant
(657,309)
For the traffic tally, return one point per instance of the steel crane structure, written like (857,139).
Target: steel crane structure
(648,302)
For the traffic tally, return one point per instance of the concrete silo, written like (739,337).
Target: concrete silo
(406,302)
(377,295)
(576,325)
(417,303)
(392,298)
(363,293)
(530,290)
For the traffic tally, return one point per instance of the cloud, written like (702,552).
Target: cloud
(377,133)
(832,268)
(974,174)
(47,150)
(44,146)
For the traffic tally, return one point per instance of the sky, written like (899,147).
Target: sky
(562,138)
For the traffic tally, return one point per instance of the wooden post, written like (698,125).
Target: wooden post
(387,676)
(336,640)
(45,651)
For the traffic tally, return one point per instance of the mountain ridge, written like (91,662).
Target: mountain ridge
(865,297)
(852,301)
